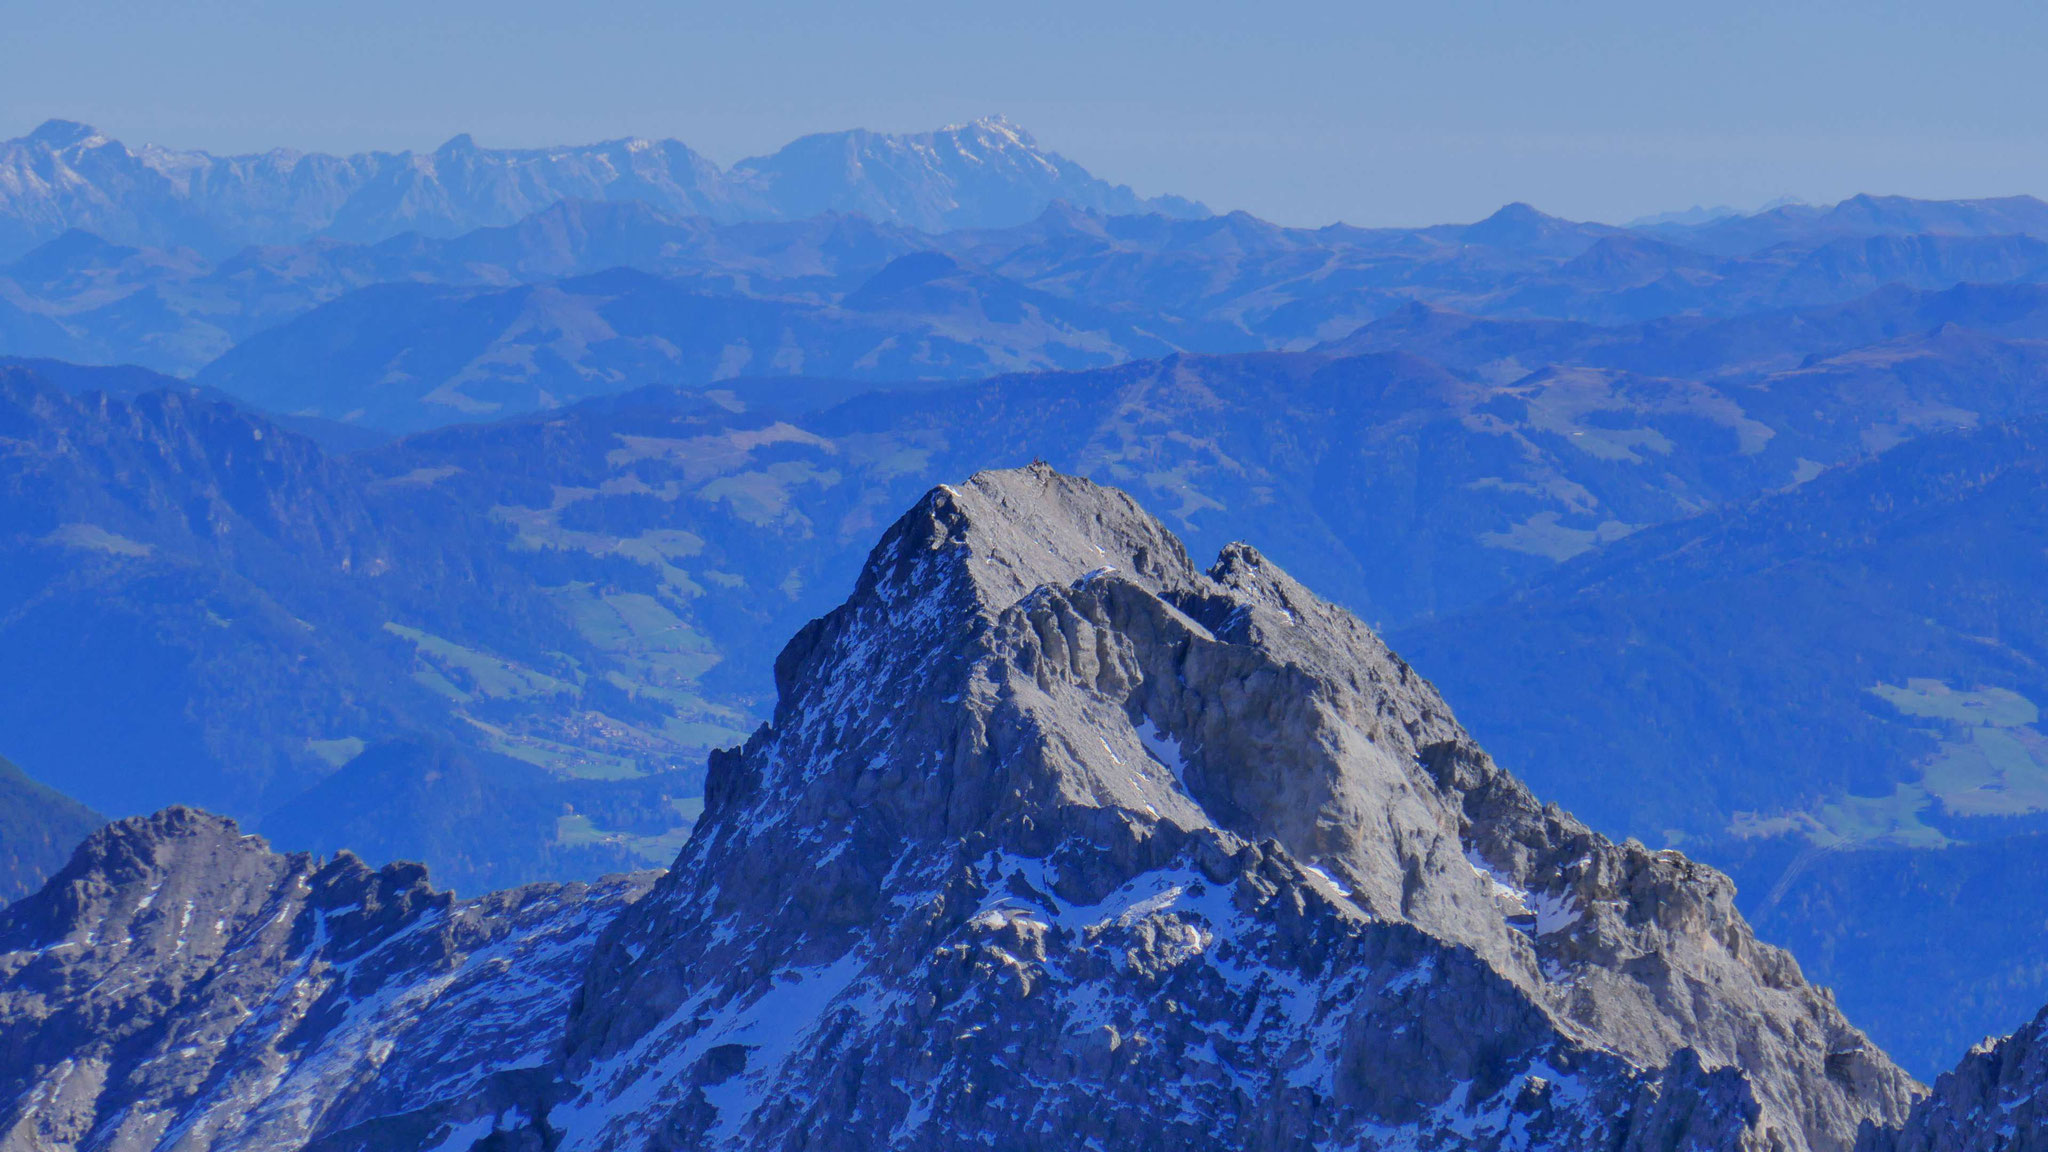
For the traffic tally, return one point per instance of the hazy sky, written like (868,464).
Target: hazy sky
(1300,112)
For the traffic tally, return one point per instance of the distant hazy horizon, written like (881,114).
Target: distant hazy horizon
(1302,113)
(1690,213)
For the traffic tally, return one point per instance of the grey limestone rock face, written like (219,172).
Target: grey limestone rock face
(179,985)
(1055,838)
(1996,1100)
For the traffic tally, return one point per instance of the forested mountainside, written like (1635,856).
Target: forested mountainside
(39,826)
(653,535)
(204,607)
(403,357)
(1046,817)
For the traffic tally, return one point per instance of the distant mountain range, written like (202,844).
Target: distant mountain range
(426,330)
(66,175)
(1861,216)
(404,357)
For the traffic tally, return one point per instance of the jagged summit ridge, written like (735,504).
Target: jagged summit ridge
(180,985)
(1037,739)
(1996,1100)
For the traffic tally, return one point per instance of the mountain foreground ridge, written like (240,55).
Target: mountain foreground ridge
(1996,1100)
(1054,840)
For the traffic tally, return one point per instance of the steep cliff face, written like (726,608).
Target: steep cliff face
(1046,813)
(1054,841)
(1996,1100)
(180,985)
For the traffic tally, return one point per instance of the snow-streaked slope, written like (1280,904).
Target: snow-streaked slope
(180,985)
(1054,841)
(951,894)
(983,174)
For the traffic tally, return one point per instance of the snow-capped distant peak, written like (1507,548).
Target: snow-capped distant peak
(992,129)
(58,135)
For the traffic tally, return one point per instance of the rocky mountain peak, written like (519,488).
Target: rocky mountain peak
(1028,528)
(950,585)
(179,984)
(124,876)
(62,133)
(124,864)
(1523,228)
(1996,1100)
(996,125)
(1037,738)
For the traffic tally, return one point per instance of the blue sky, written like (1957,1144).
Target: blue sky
(1300,112)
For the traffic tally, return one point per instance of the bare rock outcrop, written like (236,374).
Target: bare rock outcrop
(179,985)
(1996,1100)
(1054,837)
